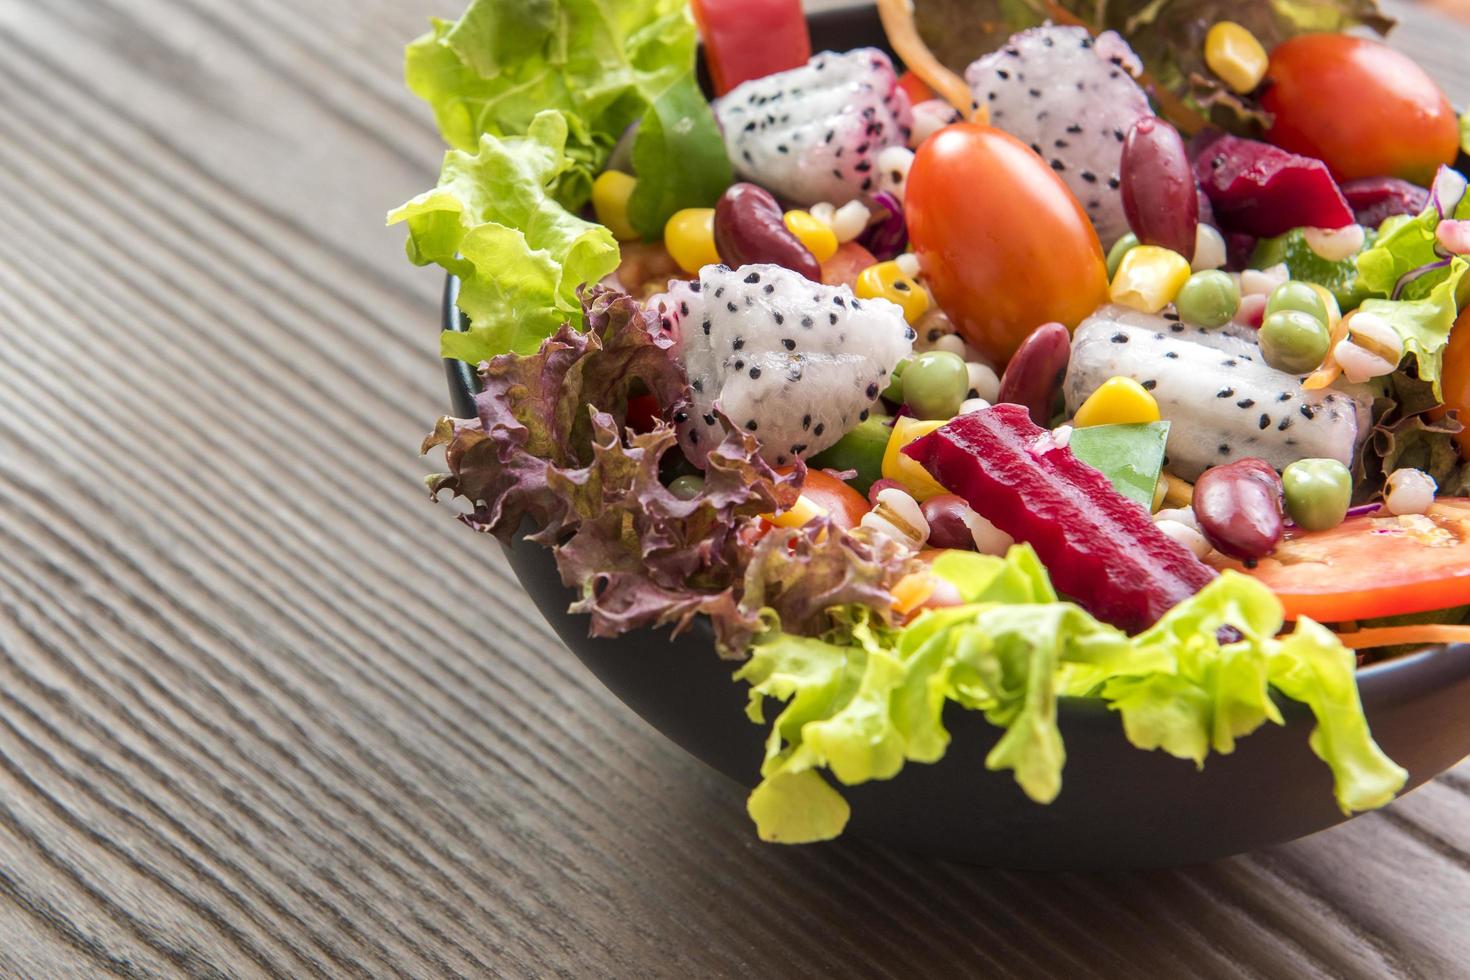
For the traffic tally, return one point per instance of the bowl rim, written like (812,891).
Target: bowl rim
(463,381)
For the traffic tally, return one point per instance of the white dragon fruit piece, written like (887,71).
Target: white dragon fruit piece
(1071,98)
(814,133)
(796,363)
(1222,400)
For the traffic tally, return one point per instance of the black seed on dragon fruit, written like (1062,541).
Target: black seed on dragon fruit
(1072,100)
(824,145)
(798,391)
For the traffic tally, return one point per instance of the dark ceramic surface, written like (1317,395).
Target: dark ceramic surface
(1119,807)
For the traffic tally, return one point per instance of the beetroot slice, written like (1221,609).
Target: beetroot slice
(1376,199)
(1265,191)
(1101,548)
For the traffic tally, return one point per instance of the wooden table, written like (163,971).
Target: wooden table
(265,711)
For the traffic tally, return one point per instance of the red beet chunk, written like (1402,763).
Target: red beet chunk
(1376,199)
(1263,190)
(1101,548)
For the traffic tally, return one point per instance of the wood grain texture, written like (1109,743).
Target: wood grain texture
(265,712)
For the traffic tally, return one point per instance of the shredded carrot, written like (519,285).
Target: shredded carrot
(1393,636)
(1329,371)
(903,35)
(1178,493)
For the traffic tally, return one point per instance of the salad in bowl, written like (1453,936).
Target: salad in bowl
(1021,364)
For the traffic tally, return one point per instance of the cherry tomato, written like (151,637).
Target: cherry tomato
(842,503)
(844,267)
(1001,240)
(918,90)
(1455,378)
(1363,108)
(745,39)
(1371,566)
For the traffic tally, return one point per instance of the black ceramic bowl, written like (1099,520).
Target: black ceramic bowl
(1119,807)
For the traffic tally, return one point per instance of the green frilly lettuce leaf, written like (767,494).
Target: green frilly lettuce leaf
(1425,307)
(864,700)
(600,63)
(1424,323)
(534,95)
(520,255)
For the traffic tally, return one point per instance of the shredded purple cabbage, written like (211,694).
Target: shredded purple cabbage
(889,237)
(1413,274)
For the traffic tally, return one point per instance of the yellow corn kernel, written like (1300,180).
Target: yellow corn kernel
(1119,401)
(886,280)
(801,513)
(1149,278)
(818,238)
(610,194)
(690,238)
(899,468)
(1233,53)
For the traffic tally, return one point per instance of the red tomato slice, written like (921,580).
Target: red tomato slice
(745,39)
(844,267)
(1372,566)
(918,90)
(842,503)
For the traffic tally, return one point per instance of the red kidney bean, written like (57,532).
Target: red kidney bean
(1034,376)
(1238,507)
(1160,196)
(947,528)
(750,229)
(880,485)
(1239,248)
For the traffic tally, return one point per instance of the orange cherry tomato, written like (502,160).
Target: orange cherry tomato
(1361,107)
(844,505)
(1455,379)
(1371,566)
(846,264)
(1002,242)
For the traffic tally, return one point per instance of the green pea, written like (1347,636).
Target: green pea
(894,391)
(1297,296)
(935,384)
(687,487)
(1294,342)
(1317,492)
(1208,298)
(1120,248)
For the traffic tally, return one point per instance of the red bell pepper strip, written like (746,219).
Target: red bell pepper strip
(1102,549)
(745,39)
